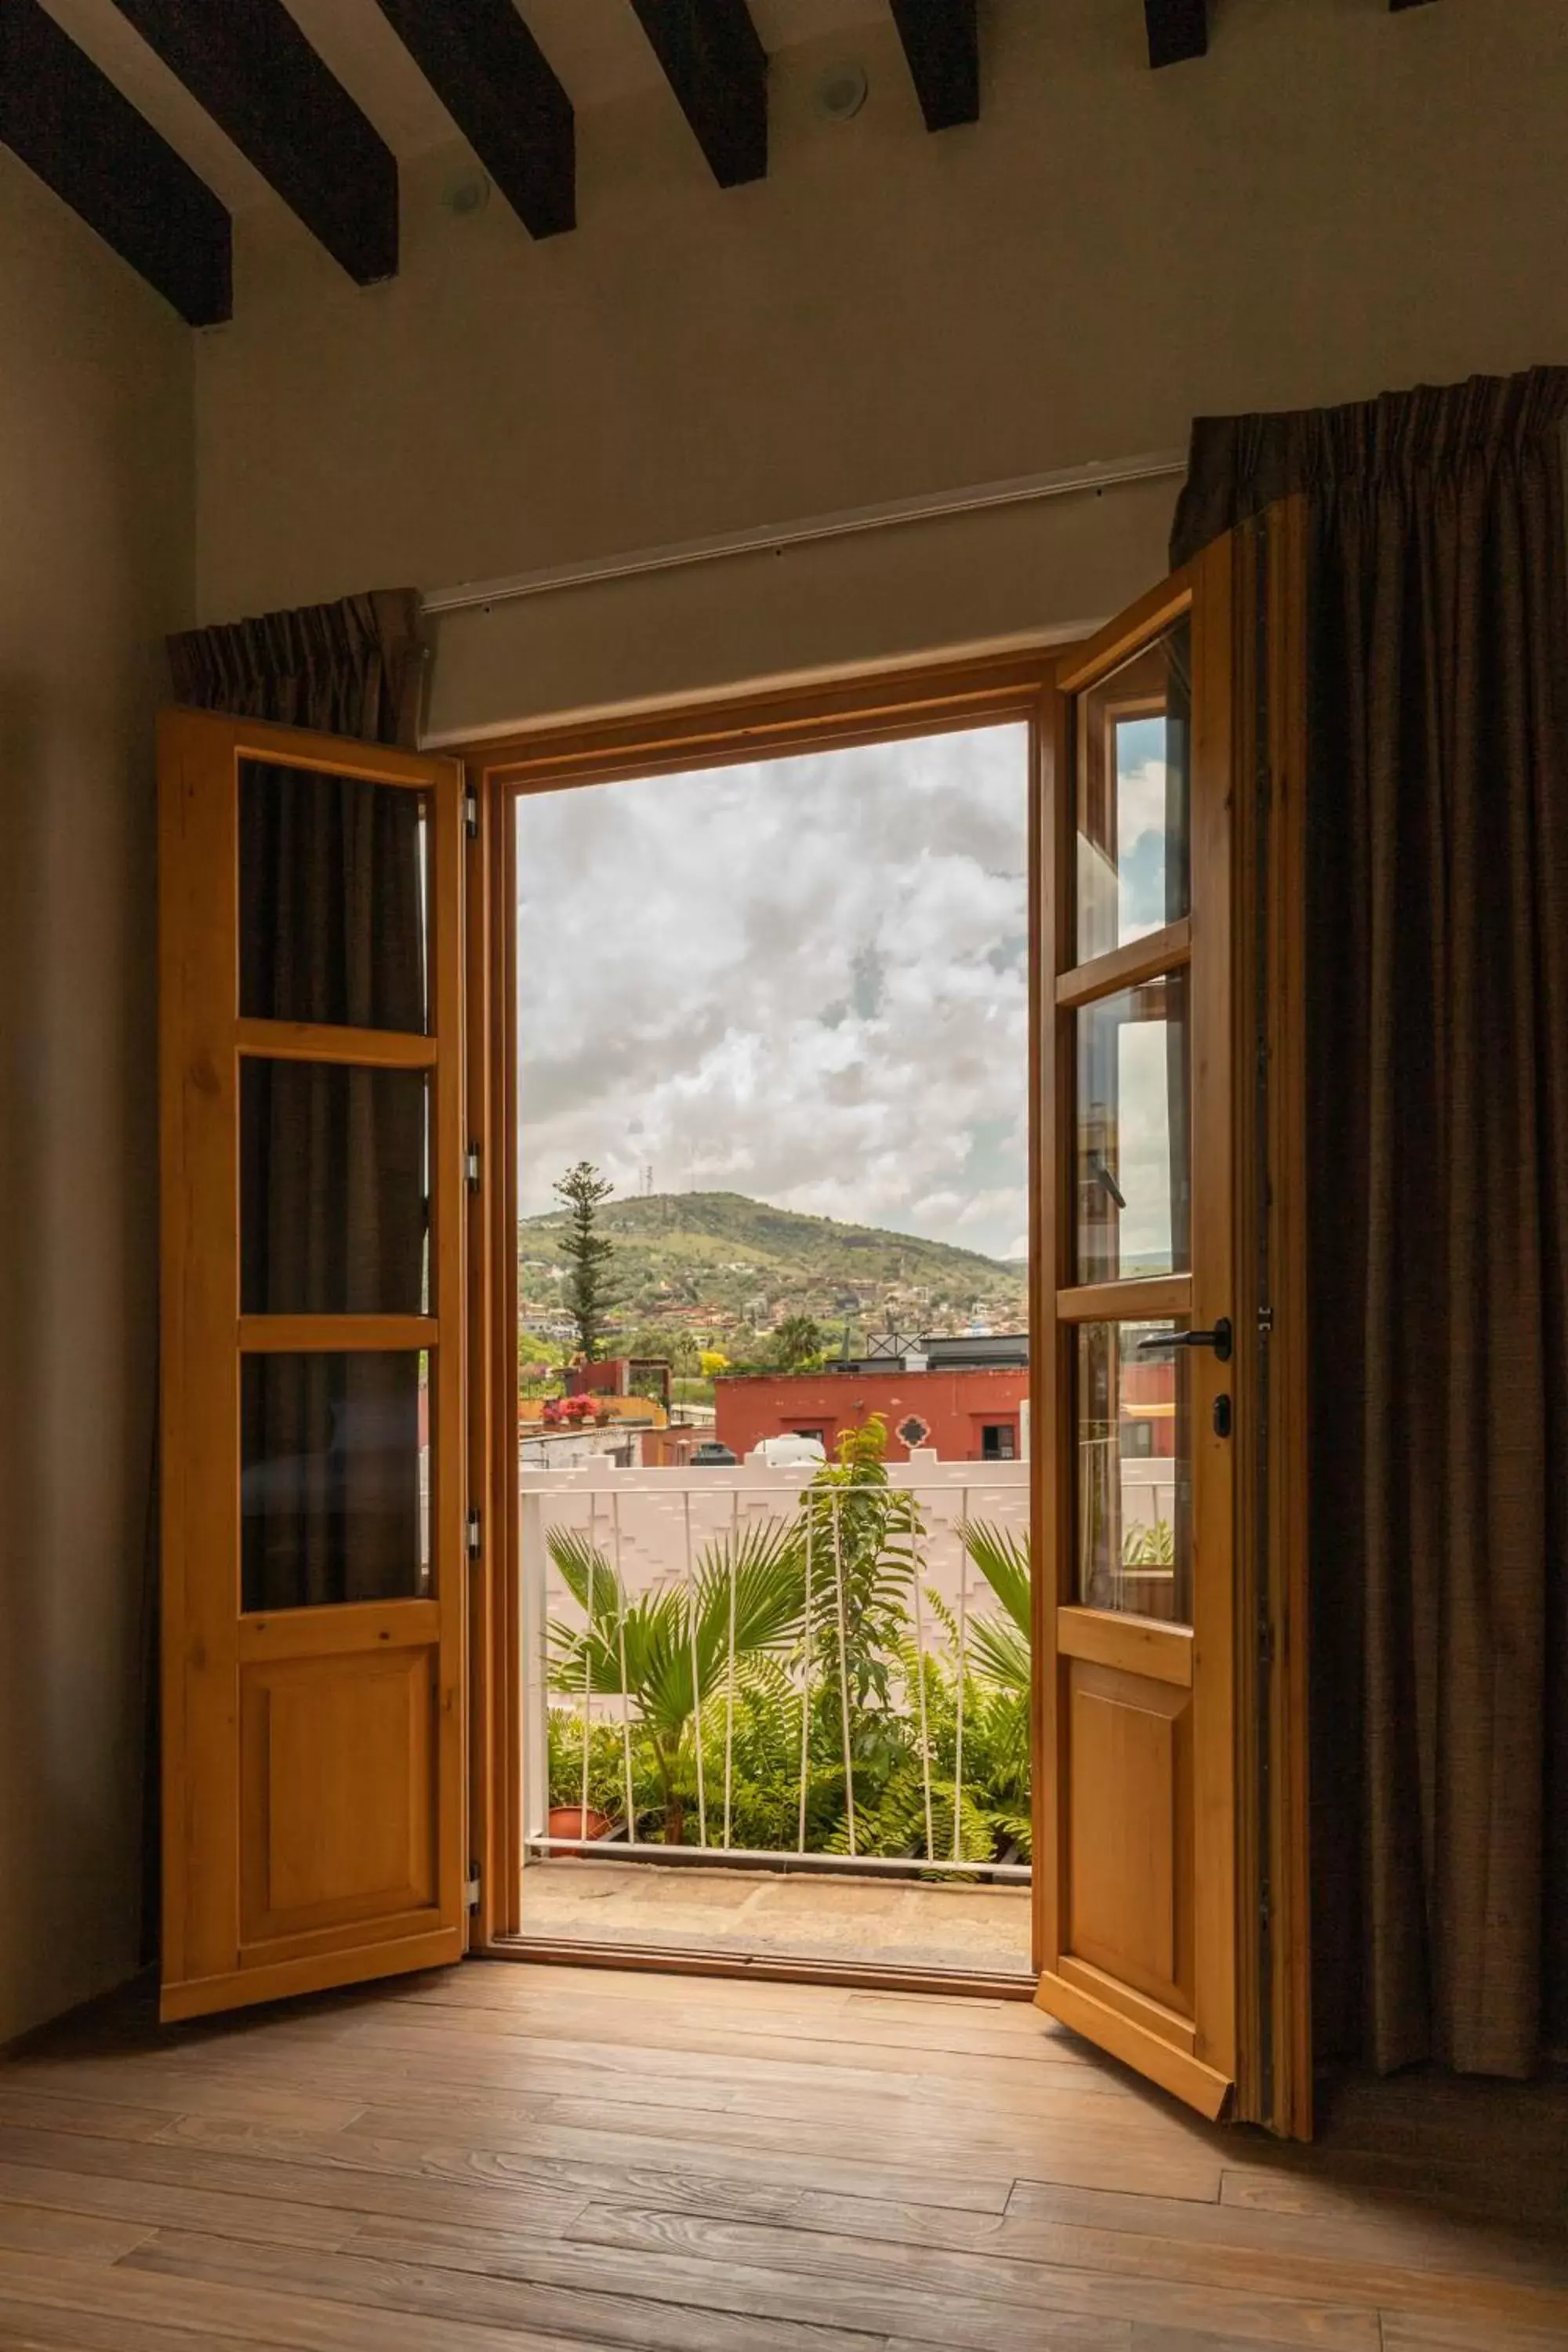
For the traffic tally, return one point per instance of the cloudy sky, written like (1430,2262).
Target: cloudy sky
(804,979)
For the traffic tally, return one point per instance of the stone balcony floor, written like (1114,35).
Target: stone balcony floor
(876,1922)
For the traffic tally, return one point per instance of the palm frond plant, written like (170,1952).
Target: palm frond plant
(989,1668)
(1003,1644)
(1150,1547)
(997,1750)
(678,1650)
(997,1764)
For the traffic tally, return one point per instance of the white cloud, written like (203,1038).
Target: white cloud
(1141,789)
(803,979)
(1143,1128)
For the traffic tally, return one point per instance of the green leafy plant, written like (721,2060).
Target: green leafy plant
(606,1760)
(960,1792)
(677,1651)
(1153,1547)
(797,1344)
(911,1810)
(998,1754)
(752,1759)
(859,1538)
(925,1786)
(651,1340)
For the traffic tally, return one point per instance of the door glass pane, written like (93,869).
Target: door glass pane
(333,1190)
(1133,760)
(1133,1157)
(332,874)
(1134,1473)
(334,1478)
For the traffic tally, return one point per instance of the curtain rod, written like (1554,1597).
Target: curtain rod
(933,506)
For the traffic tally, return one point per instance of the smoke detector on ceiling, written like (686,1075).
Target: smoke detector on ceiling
(841,92)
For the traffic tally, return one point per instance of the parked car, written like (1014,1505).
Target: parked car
(712,1455)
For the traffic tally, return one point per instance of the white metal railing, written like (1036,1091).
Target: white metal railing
(710,1651)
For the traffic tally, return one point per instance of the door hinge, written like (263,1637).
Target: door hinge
(471,815)
(471,1166)
(471,1888)
(473,1534)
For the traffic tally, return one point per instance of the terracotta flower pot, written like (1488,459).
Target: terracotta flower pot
(572,1821)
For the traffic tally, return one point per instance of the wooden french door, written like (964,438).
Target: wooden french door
(313,1460)
(1135,1359)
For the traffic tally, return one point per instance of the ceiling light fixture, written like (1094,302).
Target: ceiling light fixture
(466,193)
(841,92)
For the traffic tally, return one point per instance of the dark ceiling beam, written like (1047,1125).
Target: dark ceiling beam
(70,124)
(249,65)
(942,42)
(1395,4)
(496,83)
(1177,30)
(718,68)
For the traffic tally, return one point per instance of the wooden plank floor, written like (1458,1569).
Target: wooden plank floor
(542,2158)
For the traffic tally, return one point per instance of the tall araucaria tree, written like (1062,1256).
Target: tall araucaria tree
(589,1253)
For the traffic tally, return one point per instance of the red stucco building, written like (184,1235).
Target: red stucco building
(964,1400)
(967,1414)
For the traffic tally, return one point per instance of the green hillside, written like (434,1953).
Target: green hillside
(738,1265)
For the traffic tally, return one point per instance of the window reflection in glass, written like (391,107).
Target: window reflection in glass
(1132,1149)
(1134,1473)
(1132,757)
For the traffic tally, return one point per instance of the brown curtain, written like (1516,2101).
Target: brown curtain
(355,667)
(1438,923)
(333,1160)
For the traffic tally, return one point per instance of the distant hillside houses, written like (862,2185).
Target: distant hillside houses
(722,1264)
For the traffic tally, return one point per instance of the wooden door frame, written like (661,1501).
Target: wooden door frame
(1274,2076)
(835,714)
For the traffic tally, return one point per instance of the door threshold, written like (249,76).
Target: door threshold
(655,1960)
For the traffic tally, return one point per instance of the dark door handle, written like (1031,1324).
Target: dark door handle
(1163,1342)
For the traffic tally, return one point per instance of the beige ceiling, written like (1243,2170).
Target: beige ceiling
(596,47)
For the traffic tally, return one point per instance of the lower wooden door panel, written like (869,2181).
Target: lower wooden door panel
(1128,1821)
(336,1791)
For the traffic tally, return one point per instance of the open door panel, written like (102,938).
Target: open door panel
(1134,1356)
(313,1461)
